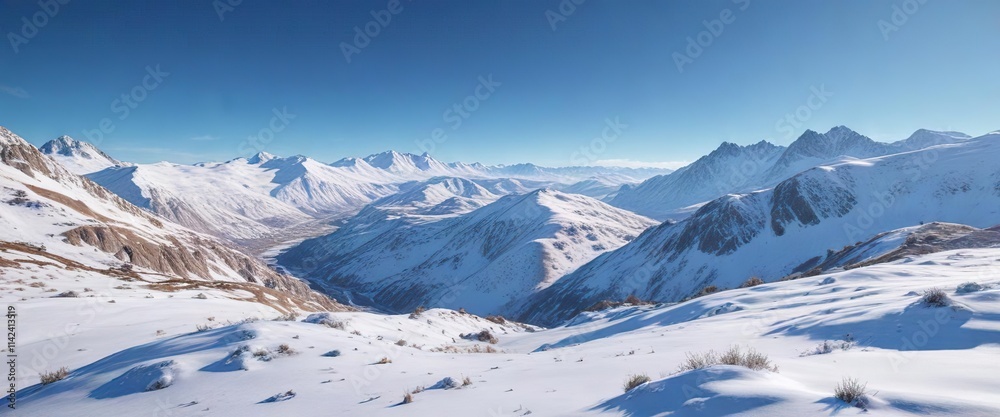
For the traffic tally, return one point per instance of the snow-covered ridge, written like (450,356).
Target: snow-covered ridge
(738,169)
(483,260)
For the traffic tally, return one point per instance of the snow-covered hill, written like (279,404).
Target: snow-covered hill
(868,323)
(78,157)
(482,260)
(734,169)
(788,228)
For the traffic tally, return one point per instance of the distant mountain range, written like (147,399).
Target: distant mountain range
(396,231)
(733,168)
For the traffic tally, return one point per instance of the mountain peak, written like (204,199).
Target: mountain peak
(78,156)
(10,138)
(261,157)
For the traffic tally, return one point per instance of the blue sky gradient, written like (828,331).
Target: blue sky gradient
(274,76)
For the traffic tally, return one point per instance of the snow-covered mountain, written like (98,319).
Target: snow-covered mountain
(734,169)
(729,168)
(482,260)
(54,217)
(78,157)
(265,199)
(775,232)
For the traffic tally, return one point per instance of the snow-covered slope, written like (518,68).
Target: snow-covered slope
(481,261)
(734,169)
(51,217)
(866,323)
(78,157)
(770,233)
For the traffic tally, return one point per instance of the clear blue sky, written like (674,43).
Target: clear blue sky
(557,87)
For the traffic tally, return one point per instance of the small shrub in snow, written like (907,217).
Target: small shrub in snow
(699,360)
(49,377)
(633,300)
(935,297)
(751,359)
(711,289)
(383,361)
(751,282)
(68,294)
(968,287)
(407,398)
(853,392)
(201,296)
(332,354)
(497,319)
(829,346)
(483,336)
(417,312)
(262,354)
(284,349)
(203,327)
(466,381)
(634,381)
(400,342)
(286,317)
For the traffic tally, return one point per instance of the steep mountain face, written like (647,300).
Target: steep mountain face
(729,168)
(738,169)
(788,228)
(78,157)
(71,219)
(483,261)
